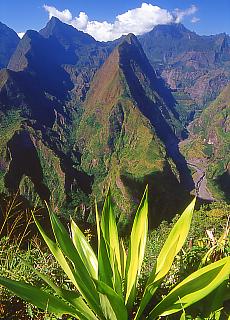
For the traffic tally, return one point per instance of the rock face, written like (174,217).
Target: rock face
(192,65)
(8,43)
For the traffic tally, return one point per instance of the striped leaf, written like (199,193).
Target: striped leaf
(114,307)
(194,288)
(85,250)
(72,297)
(171,247)
(136,249)
(37,297)
(85,283)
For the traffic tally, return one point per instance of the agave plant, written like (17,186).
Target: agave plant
(106,283)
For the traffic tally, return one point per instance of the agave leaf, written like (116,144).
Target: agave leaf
(136,249)
(108,251)
(98,223)
(84,281)
(73,297)
(81,308)
(75,278)
(85,250)
(152,286)
(213,303)
(123,258)
(183,316)
(117,280)
(181,229)
(57,253)
(172,246)
(109,230)
(105,272)
(39,298)
(194,288)
(114,307)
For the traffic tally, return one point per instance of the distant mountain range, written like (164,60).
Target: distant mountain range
(196,68)
(78,115)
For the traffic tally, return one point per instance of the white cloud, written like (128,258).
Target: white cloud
(181,14)
(138,21)
(195,19)
(21,34)
(64,15)
(80,22)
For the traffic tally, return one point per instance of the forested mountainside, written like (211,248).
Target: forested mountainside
(73,147)
(126,130)
(196,68)
(77,57)
(40,98)
(8,43)
(209,143)
(96,114)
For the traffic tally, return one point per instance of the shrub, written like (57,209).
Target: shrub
(107,285)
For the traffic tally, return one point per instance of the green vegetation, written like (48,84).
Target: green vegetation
(9,123)
(108,284)
(210,140)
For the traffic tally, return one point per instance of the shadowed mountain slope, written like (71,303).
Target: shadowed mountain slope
(8,43)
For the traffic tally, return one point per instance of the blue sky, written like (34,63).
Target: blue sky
(208,16)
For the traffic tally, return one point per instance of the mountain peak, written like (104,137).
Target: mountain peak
(8,43)
(108,85)
(127,72)
(65,33)
(51,25)
(129,38)
(130,46)
(173,31)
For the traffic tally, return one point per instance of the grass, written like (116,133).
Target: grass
(15,265)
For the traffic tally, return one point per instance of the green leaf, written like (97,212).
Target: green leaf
(85,283)
(152,286)
(117,280)
(81,308)
(136,249)
(111,240)
(105,272)
(85,250)
(183,316)
(213,303)
(109,230)
(39,298)
(90,296)
(57,253)
(74,298)
(181,230)
(123,258)
(194,288)
(114,306)
(172,246)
